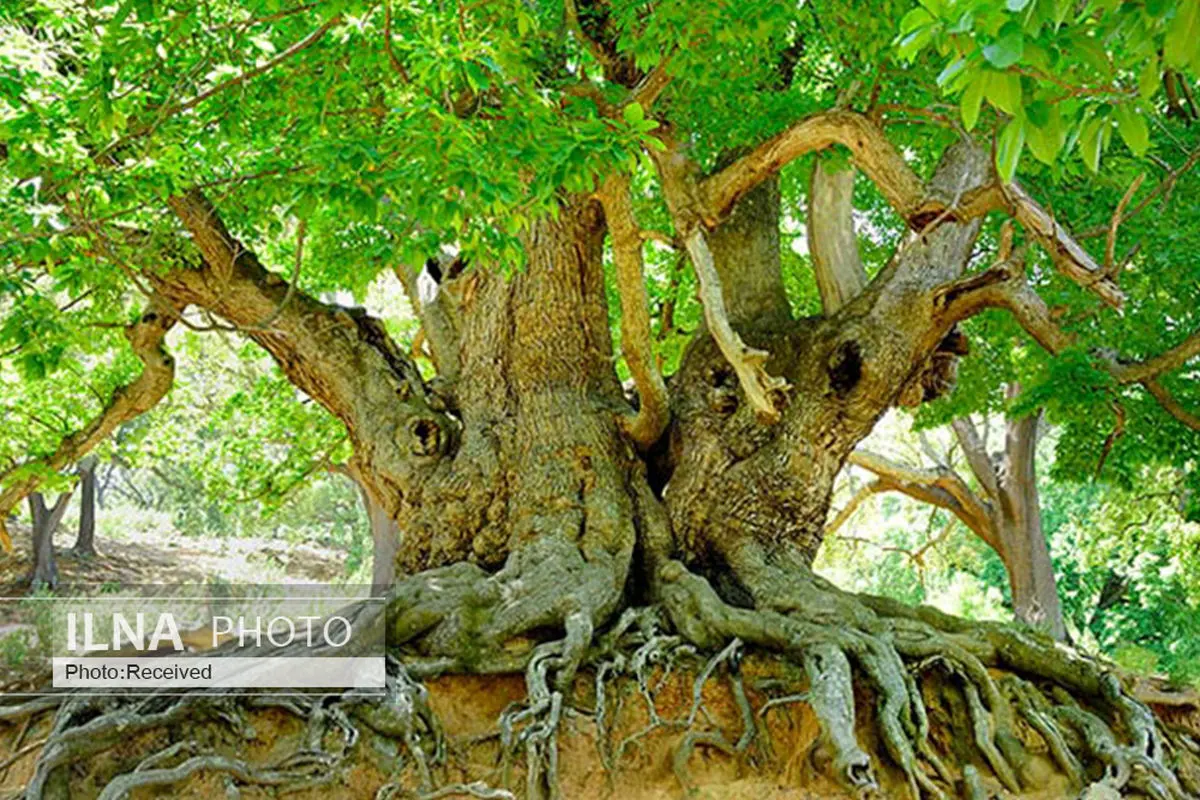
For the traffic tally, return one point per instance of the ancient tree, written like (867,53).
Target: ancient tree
(525,170)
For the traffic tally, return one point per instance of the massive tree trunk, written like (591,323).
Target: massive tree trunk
(541,492)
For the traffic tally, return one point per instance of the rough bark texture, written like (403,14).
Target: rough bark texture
(743,490)
(385,536)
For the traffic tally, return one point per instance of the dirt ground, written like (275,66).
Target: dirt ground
(170,557)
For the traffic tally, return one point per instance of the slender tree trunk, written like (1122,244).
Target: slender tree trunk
(1024,550)
(85,546)
(103,486)
(385,536)
(1013,525)
(45,521)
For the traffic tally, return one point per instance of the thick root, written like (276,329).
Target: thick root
(893,645)
(1001,693)
(461,619)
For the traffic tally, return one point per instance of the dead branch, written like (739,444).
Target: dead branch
(940,487)
(762,389)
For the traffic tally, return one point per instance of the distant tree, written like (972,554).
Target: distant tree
(1004,511)
(44,521)
(85,542)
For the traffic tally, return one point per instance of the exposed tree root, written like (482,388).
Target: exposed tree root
(1048,699)
(1090,723)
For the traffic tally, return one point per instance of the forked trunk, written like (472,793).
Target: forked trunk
(45,521)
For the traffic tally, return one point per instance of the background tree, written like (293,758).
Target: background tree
(85,542)
(1004,512)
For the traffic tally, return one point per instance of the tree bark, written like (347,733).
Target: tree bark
(85,543)
(832,242)
(385,535)
(742,490)
(45,521)
(1024,550)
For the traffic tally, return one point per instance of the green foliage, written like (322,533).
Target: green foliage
(1124,558)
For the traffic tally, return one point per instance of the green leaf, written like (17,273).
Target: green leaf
(952,71)
(633,113)
(1046,138)
(916,30)
(1150,78)
(1038,112)
(1182,41)
(1091,142)
(1008,148)
(917,18)
(1007,48)
(971,100)
(1003,90)
(1131,124)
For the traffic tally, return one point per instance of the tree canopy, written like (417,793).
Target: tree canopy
(343,139)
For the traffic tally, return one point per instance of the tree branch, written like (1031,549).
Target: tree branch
(977,456)
(861,496)
(636,341)
(1068,255)
(146,337)
(437,315)
(1004,286)
(1111,265)
(832,241)
(940,487)
(1166,361)
(266,66)
(1170,404)
(342,358)
(872,153)
(762,389)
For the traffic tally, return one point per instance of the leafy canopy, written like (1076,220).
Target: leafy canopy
(386,129)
